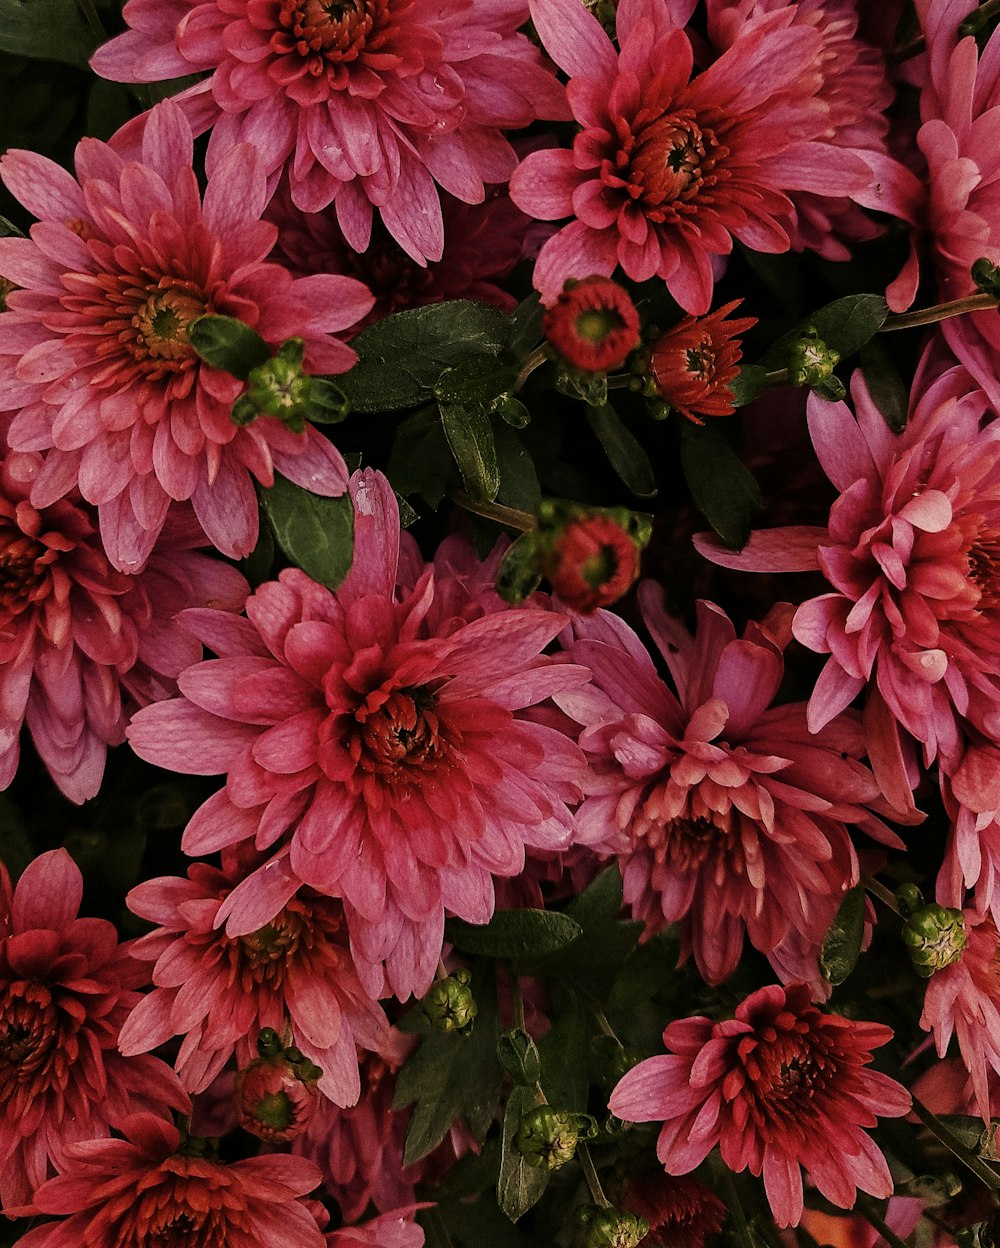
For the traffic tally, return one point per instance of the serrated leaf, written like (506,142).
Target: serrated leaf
(645,971)
(515,934)
(623,449)
(47,30)
(316,533)
(885,385)
(470,437)
(226,343)
(842,943)
(452,1075)
(402,356)
(723,488)
(420,461)
(519,1185)
(844,325)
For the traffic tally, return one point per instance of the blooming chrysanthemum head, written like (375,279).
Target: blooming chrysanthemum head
(695,363)
(66,987)
(391,757)
(95,351)
(593,325)
(151,1188)
(293,974)
(726,813)
(367,104)
(781,1088)
(666,170)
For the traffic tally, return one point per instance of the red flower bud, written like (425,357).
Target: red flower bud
(276,1098)
(592,563)
(695,363)
(593,325)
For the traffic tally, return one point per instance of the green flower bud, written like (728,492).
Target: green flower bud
(909,898)
(986,276)
(280,388)
(935,936)
(613,1228)
(547,1138)
(450,1004)
(810,360)
(6,286)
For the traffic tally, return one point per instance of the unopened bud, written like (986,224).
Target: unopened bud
(277,1096)
(547,1139)
(590,557)
(986,276)
(909,899)
(612,1228)
(450,1005)
(810,361)
(935,936)
(593,325)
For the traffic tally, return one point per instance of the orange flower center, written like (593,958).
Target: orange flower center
(397,729)
(671,158)
(24,571)
(148,325)
(328,32)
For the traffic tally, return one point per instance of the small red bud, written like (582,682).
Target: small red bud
(694,363)
(276,1098)
(593,325)
(592,563)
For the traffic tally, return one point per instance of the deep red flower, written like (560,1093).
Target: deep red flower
(592,563)
(695,362)
(682,1212)
(593,325)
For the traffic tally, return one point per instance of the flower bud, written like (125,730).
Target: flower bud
(810,361)
(279,388)
(593,325)
(591,558)
(450,1005)
(547,1138)
(986,276)
(694,364)
(909,899)
(935,936)
(613,1228)
(277,1092)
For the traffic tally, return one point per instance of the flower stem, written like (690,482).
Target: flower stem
(605,1026)
(867,1209)
(776,378)
(535,360)
(939,312)
(881,892)
(986,1174)
(516,1000)
(509,516)
(593,1182)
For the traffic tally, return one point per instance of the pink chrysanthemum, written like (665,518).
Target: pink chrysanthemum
(219,991)
(912,552)
(150,1188)
(66,987)
(80,641)
(780,1088)
(366,104)
(390,754)
(972,857)
(94,350)
(395,1229)
(963,1000)
(726,813)
(666,169)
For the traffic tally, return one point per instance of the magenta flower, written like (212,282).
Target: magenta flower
(380,742)
(219,991)
(81,642)
(781,1088)
(148,1189)
(667,170)
(66,987)
(726,814)
(366,105)
(911,554)
(94,350)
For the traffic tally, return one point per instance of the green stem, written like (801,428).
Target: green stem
(777,378)
(509,516)
(735,1207)
(605,1026)
(593,1182)
(866,1207)
(939,312)
(517,1000)
(881,892)
(88,10)
(979,1168)
(535,360)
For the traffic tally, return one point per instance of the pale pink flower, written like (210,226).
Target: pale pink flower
(395,1229)
(912,552)
(66,987)
(781,1088)
(366,105)
(219,992)
(148,1189)
(379,744)
(972,856)
(81,643)
(94,350)
(963,1000)
(667,170)
(726,813)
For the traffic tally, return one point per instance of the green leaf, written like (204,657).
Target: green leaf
(723,488)
(563,1050)
(517,1053)
(623,449)
(403,355)
(420,461)
(452,1074)
(844,325)
(842,943)
(518,574)
(316,533)
(470,437)
(226,343)
(885,385)
(647,969)
(750,383)
(475,382)
(256,567)
(47,30)
(519,486)
(514,934)
(519,1185)
(526,326)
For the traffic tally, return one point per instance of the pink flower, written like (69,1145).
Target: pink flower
(963,1000)
(66,987)
(912,552)
(220,991)
(666,170)
(80,641)
(386,751)
(395,1229)
(726,814)
(366,105)
(94,350)
(972,857)
(150,1189)
(780,1088)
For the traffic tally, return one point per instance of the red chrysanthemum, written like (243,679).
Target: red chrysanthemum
(94,351)
(781,1088)
(220,991)
(377,744)
(593,325)
(66,987)
(150,1188)
(696,361)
